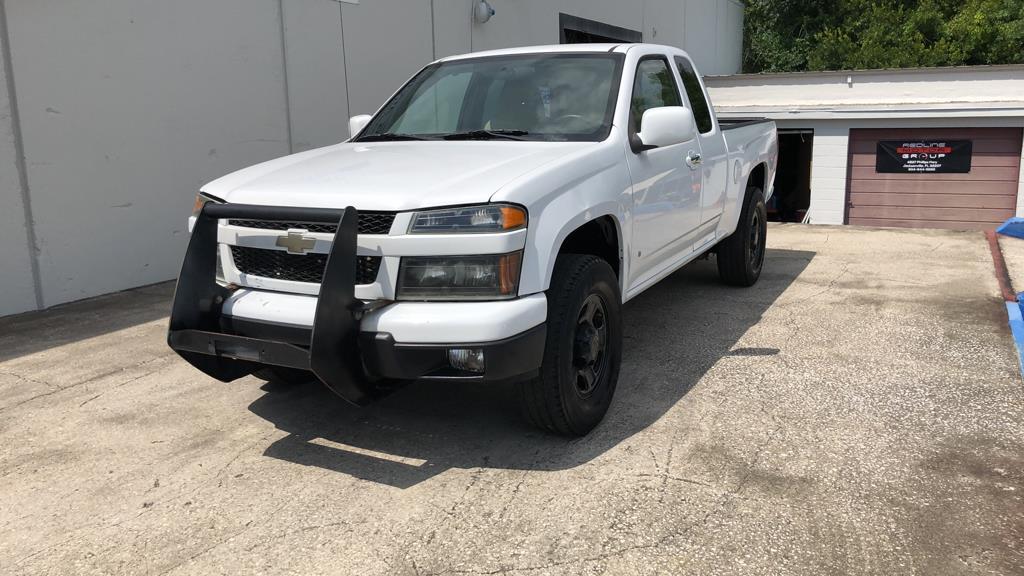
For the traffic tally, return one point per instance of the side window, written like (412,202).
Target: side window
(653,87)
(694,93)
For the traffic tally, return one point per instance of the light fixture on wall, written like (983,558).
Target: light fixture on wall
(483,11)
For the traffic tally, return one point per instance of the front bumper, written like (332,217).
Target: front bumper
(407,322)
(383,358)
(345,343)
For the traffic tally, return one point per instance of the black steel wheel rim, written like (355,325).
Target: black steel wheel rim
(756,241)
(590,345)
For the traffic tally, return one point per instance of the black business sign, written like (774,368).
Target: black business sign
(932,156)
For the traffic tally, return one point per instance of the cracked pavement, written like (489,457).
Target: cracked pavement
(859,411)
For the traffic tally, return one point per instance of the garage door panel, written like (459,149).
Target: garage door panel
(994,173)
(1000,146)
(918,213)
(987,160)
(979,199)
(862,200)
(908,223)
(934,187)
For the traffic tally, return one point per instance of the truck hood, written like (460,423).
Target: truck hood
(389,175)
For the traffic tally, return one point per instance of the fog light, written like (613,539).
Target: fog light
(467,359)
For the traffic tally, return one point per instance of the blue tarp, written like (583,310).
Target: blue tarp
(1013,227)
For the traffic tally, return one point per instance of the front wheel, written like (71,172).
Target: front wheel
(583,349)
(741,255)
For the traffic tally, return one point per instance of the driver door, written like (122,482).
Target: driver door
(666,190)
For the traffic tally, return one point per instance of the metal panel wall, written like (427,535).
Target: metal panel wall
(17,288)
(129,106)
(126,108)
(453,32)
(386,42)
(530,22)
(315,73)
(663,23)
(701,35)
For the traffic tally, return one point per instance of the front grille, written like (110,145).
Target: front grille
(369,223)
(281,265)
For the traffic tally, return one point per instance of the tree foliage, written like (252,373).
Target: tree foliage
(792,35)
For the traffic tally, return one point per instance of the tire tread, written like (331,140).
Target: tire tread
(731,254)
(542,404)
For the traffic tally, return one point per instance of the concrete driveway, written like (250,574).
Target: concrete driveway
(859,411)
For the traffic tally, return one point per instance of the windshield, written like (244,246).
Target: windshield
(556,97)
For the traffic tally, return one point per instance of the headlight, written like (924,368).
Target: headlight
(493,277)
(469,219)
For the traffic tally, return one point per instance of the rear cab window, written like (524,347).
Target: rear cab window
(695,94)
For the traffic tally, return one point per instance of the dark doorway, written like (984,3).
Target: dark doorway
(576,30)
(792,194)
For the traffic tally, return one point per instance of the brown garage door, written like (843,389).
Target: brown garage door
(979,199)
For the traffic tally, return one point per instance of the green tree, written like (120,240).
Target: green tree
(789,35)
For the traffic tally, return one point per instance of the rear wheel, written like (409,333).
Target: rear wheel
(741,255)
(583,348)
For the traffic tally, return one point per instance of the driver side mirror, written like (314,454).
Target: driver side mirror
(357,123)
(665,126)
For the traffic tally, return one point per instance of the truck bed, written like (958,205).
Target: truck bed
(732,123)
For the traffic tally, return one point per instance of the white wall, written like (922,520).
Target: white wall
(126,107)
(711,30)
(453,31)
(386,42)
(714,35)
(137,105)
(527,22)
(316,75)
(17,288)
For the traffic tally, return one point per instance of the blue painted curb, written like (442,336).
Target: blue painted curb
(1013,310)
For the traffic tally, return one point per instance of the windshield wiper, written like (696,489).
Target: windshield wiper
(486,135)
(388,136)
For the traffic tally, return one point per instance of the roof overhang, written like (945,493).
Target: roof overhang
(969,91)
(973,110)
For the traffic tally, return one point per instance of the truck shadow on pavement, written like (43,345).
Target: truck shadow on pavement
(674,333)
(31,332)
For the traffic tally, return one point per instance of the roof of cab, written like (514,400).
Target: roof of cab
(549,49)
(620,47)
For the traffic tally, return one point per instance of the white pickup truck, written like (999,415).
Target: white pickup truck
(486,224)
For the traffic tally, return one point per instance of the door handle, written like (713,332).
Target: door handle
(693,159)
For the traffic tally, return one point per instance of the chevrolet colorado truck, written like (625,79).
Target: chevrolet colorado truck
(486,224)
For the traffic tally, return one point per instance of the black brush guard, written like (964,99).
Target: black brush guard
(333,354)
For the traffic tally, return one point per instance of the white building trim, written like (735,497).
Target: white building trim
(978,89)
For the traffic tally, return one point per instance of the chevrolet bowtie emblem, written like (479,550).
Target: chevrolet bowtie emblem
(296,242)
